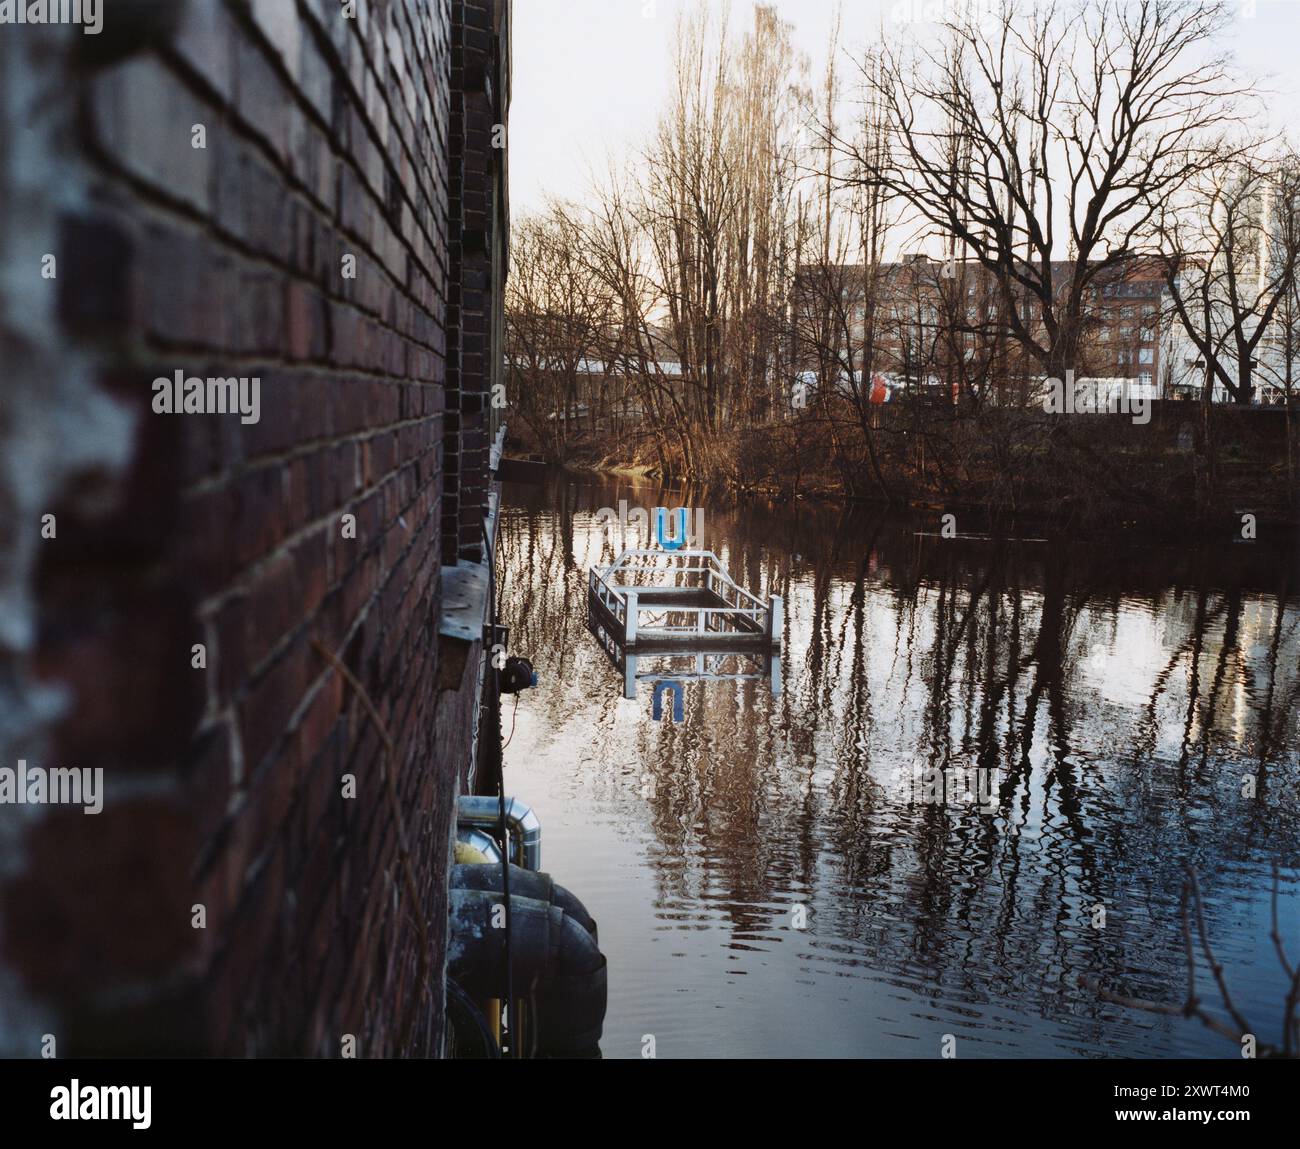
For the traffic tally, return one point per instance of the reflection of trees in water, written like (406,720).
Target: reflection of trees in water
(906,648)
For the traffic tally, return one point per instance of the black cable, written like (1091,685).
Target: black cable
(508,1000)
(505,888)
(514,714)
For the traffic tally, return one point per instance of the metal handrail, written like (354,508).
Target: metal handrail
(712,565)
(732,609)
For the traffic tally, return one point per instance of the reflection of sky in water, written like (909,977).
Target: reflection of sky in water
(693,843)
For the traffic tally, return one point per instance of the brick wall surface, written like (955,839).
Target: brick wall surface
(476,166)
(327,137)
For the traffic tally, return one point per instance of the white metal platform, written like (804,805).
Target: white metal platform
(681,598)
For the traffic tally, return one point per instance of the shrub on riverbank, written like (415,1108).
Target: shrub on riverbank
(1187,466)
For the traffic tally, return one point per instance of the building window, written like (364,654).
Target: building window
(1146,355)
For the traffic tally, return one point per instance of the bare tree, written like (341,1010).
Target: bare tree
(1280,366)
(1230,250)
(1054,135)
(616,247)
(1235,1027)
(557,312)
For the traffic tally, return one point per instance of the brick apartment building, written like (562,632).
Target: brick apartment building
(925,312)
(310,194)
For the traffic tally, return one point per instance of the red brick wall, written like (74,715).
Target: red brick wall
(477,260)
(326,137)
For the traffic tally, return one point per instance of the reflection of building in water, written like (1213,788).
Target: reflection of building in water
(1244,651)
(1269,653)
(675,665)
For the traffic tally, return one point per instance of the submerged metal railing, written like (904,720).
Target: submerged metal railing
(681,663)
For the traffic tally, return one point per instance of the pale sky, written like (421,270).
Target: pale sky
(590,76)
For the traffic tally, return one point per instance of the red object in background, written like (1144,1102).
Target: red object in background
(879,389)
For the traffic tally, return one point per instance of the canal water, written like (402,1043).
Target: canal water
(778,874)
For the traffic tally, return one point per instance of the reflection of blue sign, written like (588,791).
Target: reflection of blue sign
(657,703)
(679,535)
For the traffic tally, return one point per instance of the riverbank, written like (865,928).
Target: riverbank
(1223,474)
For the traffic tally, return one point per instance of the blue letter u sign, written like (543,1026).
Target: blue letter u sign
(679,535)
(657,703)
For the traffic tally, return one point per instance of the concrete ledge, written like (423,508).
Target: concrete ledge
(464,601)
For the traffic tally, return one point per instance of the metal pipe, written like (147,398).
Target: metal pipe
(483,810)
(553,957)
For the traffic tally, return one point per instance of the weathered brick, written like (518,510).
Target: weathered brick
(325,137)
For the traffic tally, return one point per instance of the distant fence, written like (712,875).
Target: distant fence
(1173,423)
